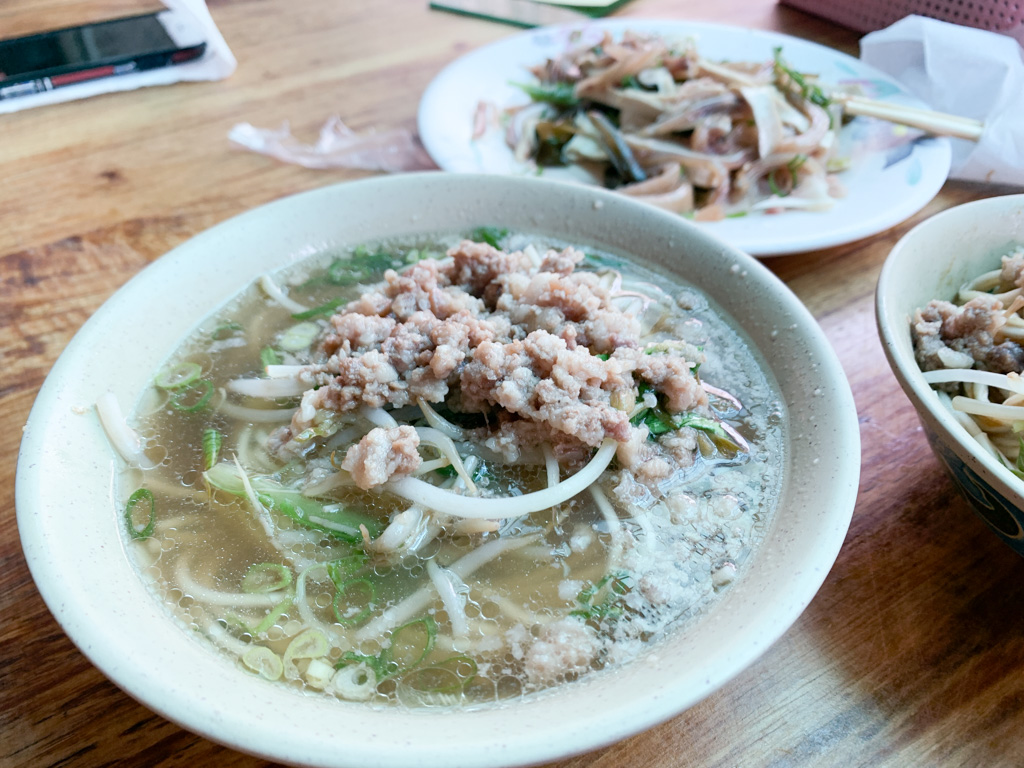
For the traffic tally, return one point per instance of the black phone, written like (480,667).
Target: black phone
(71,55)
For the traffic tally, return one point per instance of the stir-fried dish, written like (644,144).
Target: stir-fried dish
(972,352)
(656,120)
(450,472)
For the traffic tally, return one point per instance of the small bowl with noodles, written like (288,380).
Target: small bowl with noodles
(950,310)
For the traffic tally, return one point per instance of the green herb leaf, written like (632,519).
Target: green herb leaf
(269,356)
(493,236)
(809,91)
(212,442)
(558,94)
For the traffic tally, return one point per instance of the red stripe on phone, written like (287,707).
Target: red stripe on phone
(85,74)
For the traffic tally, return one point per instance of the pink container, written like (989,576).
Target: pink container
(1004,16)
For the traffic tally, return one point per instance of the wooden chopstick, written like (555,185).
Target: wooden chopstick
(937,123)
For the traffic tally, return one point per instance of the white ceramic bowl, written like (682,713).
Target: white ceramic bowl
(930,262)
(71,533)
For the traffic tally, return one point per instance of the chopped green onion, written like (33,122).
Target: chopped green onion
(809,91)
(262,578)
(344,568)
(181,375)
(603,356)
(341,522)
(212,442)
(776,190)
(141,496)
(611,606)
(193,398)
(1020,454)
(298,337)
(269,356)
(409,652)
(359,585)
(702,423)
(324,309)
(264,662)
(272,617)
(490,235)
(311,644)
(559,94)
(337,521)
(225,331)
(410,644)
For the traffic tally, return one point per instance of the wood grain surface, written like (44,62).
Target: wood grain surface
(912,654)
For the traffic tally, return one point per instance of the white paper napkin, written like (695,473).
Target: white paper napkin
(216,63)
(962,71)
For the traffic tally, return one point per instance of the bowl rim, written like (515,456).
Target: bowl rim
(892,330)
(261,734)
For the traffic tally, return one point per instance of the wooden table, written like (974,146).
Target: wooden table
(912,654)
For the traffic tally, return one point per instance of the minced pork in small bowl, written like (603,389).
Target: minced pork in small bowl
(438,470)
(945,303)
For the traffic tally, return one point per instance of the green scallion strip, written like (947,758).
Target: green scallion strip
(342,569)
(411,654)
(410,644)
(269,356)
(141,496)
(559,94)
(212,442)
(195,397)
(181,375)
(493,236)
(262,578)
(225,331)
(298,337)
(358,585)
(323,309)
(272,617)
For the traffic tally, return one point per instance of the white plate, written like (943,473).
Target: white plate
(885,185)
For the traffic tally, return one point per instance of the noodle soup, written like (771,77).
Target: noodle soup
(450,472)
(972,352)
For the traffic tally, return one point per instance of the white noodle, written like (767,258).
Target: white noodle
(126,441)
(262,513)
(551,465)
(283,371)
(427,495)
(990,410)
(438,422)
(614,527)
(1012,383)
(454,603)
(274,291)
(215,597)
(421,598)
(256,415)
(443,443)
(303,604)
(268,388)
(378,417)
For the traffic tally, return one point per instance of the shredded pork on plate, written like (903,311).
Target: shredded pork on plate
(659,122)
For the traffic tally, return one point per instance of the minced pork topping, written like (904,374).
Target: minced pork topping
(542,348)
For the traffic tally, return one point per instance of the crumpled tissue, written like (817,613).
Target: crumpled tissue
(962,71)
(338,146)
(216,63)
